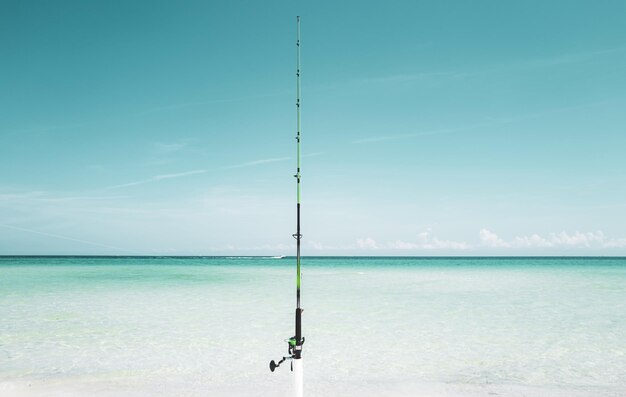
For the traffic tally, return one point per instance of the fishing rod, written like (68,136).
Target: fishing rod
(294,344)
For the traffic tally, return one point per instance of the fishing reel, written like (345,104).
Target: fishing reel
(293,348)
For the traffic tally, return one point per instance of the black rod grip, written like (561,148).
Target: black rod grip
(298,326)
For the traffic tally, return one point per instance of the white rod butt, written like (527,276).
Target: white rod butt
(298,378)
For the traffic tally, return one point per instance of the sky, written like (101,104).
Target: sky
(428,127)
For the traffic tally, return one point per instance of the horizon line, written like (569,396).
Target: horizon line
(312,256)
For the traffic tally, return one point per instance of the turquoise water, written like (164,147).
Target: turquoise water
(116,326)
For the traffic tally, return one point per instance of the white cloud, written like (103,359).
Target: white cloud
(258,162)
(589,239)
(367,243)
(577,239)
(424,241)
(402,245)
(534,240)
(61,237)
(157,178)
(491,239)
(382,138)
(427,241)
(316,245)
(177,175)
(615,243)
(563,239)
(167,148)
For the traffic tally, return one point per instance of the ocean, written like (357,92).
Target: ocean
(208,326)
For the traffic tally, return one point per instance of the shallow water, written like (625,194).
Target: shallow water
(118,326)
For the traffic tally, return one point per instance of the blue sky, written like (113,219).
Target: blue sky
(429,128)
